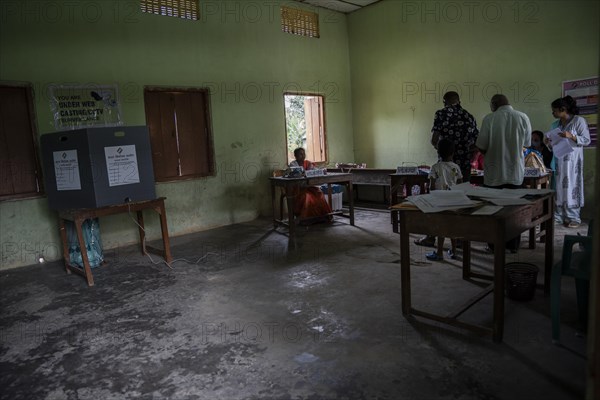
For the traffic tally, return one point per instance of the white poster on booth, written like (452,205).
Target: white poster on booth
(66,170)
(121,165)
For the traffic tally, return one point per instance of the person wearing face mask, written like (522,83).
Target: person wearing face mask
(537,144)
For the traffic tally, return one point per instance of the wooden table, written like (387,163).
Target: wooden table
(538,182)
(368,177)
(292,185)
(530,182)
(78,216)
(405,182)
(497,229)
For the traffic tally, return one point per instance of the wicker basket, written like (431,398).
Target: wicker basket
(520,280)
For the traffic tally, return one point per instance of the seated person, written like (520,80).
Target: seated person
(444,173)
(300,159)
(310,204)
(537,144)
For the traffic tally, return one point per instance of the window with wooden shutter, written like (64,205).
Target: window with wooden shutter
(20,172)
(299,22)
(305,125)
(180,134)
(187,9)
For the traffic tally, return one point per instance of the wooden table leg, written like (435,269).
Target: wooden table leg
(466,248)
(532,238)
(404,268)
(422,189)
(395,218)
(393,198)
(273,205)
(84,255)
(393,192)
(329,196)
(291,218)
(499,260)
(165,232)
(142,231)
(351,203)
(65,243)
(549,247)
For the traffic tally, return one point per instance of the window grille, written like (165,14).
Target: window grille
(299,22)
(187,9)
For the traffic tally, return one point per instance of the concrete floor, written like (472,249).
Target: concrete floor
(247,318)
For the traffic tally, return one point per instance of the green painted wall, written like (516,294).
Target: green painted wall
(237,50)
(383,71)
(405,54)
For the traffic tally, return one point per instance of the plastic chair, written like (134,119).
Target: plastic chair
(578,265)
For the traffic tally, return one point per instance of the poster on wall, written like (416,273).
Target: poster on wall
(85,106)
(585,93)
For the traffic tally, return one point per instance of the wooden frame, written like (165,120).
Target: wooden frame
(210,163)
(35,143)
(323,123)
(78,216)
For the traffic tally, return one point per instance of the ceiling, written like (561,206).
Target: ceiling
(345,6)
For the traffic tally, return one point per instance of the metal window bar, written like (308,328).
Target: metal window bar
(299,22)
(186,9)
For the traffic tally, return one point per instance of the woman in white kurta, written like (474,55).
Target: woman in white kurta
(569,168)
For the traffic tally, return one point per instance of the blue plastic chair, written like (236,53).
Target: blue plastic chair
(578,265)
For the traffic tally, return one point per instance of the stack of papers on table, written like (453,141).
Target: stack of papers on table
(442,200)
(500,197)
(459,197)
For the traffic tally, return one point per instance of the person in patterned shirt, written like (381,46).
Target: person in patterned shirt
(457,125)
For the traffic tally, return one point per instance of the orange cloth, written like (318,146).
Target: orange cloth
(310,204)
(307,165)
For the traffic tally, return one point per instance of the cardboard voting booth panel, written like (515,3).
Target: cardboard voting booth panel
(96,167)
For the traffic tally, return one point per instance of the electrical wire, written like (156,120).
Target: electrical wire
(163,261)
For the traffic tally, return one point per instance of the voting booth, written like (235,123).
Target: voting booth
(96,167)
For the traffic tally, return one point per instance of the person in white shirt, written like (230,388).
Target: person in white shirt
(445,173)
(501,139)
(442,176)
(502,136)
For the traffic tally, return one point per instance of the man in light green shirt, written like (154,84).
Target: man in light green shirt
(502,136)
